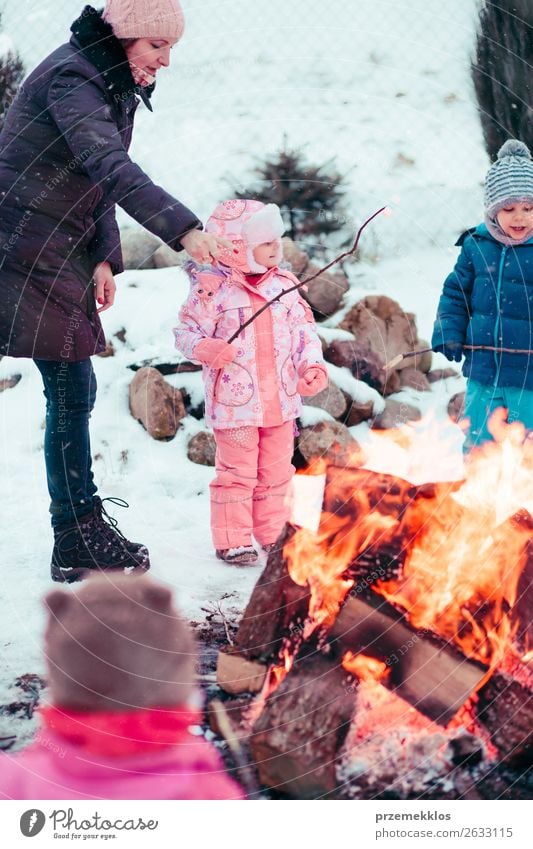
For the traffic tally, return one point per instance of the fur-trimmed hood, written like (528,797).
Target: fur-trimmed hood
(96,40)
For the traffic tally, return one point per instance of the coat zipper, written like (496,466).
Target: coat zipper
(497,326)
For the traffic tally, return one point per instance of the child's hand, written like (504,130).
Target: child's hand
(453,351)
(313,380)
(214,353)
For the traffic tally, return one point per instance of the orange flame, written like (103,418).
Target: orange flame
(364,667)
(460,577)
(465,552)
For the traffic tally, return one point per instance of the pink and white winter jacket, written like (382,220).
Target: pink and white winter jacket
(259,388)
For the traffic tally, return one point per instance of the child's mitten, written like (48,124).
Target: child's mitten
(453,351)
(214,353)
(313,380)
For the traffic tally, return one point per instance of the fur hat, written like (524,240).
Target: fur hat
(247,224)
(118,644)
(510,178)
(145,18)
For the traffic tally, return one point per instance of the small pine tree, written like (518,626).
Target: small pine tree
(11,75)
(501,72)
(310,197)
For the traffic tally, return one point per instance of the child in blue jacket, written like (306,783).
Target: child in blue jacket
(487,300)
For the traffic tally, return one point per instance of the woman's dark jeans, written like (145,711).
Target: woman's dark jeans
(70,392)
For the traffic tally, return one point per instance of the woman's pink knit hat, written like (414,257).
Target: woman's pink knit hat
(145,18)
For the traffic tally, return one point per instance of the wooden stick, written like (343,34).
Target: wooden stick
(244,771)
(400,357)
(308,279)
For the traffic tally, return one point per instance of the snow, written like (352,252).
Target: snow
(375,84)
(168,495)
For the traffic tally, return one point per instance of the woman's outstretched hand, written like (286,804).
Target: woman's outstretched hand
(204,247)
(104,286)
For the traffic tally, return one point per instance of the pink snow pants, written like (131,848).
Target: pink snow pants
(248,494)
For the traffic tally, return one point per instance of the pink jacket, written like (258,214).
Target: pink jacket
(254,390)
(56,769)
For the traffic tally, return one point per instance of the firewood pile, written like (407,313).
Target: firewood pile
(368,613)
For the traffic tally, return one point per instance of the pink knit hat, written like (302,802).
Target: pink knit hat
(145,18)
(246,224)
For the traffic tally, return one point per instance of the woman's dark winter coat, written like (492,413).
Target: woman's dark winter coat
(488,300)
(63,167)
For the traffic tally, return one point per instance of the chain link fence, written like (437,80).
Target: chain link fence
(380,88)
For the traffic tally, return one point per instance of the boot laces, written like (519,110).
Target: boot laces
(110,524)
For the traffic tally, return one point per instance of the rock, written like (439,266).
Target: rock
(364,364)
(456,406)
(9,382)
(121,335)
(358,412)
(324,294)
(156,404)
(297,259)
(138,248)
(202,448)
(331,399)
(332,442)
(441,374)
(395,414)
(391,383)
(380,325)
(422,362)
(415,379)
(342,353)
(165,257)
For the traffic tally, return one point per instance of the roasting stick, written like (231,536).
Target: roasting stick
(227,730)
(401,357)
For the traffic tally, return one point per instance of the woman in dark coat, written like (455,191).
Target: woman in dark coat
(64,166)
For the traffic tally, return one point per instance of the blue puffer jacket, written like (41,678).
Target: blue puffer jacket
(488,300)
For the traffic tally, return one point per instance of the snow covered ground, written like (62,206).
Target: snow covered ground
(381,86)
(168,494)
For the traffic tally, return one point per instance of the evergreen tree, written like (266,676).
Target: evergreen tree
(11,75)
(502,72)
(309,196)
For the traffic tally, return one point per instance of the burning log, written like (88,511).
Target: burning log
(279,606)
(302,726)
(276,602)
(424,670)
(382,519)
(505,707)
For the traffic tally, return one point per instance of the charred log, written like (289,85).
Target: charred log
(302,726)
(276,603)
(426,671)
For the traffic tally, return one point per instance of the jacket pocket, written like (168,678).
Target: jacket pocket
(234,386)
(289,377)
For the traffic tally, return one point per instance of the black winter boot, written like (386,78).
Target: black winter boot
(90,545)
(110,525)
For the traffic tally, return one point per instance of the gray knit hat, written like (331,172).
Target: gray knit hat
(510,178)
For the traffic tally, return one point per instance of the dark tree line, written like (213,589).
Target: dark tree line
(502,72)
(11,75)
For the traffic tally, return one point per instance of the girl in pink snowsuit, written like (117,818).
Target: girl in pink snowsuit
(253,387)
